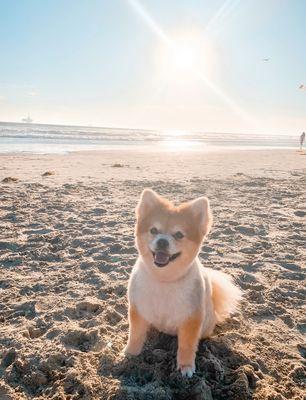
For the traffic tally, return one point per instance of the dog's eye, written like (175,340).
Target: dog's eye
(178,235)
(153,231)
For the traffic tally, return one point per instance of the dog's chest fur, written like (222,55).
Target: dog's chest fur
(166,305)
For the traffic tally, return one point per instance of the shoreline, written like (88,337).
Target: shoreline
(164,147)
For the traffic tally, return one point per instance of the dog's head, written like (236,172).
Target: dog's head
(168,238)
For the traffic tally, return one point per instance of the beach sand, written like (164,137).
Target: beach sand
(67,249)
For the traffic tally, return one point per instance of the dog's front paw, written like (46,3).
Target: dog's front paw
(186,370)
(130,350)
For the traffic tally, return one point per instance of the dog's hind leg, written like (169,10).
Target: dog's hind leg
(210,319)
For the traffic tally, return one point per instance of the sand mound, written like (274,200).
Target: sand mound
(10,179)
(48,173)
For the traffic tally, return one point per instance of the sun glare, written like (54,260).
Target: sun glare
(188,51)
(179,145)
(184,57)
(198,62)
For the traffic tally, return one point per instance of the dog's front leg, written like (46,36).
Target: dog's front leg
(188,339)
(138,328)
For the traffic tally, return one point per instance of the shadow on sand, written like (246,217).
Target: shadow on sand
(221,373)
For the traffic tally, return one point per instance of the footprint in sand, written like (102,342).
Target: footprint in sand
(290,266)
(288,320)
(302,349)
(249,281)
(8,358)
(296,276)
(87,309)
(300,213)
(99,211)
(105,266)
(11,246)
(36,332)
(28,290)
(38,231)
(6,284)
(246,230)
(26,309)
(115,248)
(83,340)
(113,317)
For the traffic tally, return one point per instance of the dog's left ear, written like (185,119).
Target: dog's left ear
(201,210)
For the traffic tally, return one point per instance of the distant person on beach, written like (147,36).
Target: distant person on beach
(302,140)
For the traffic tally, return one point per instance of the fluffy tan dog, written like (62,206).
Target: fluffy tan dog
(168,288)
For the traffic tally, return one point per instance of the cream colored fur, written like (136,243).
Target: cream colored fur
(165,305)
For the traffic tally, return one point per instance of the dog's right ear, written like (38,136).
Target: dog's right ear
(148,200)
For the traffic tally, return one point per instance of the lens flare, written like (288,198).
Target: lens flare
(187,58)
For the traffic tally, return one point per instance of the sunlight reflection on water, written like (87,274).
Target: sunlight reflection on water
(182,145)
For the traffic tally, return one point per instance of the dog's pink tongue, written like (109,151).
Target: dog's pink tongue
(161,257)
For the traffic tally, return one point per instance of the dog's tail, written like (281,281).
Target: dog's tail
(225,294)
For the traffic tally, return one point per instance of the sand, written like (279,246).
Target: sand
(154,164)
(67,249)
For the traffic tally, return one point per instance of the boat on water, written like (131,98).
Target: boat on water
(27,120)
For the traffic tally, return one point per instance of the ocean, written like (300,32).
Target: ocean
(44,139)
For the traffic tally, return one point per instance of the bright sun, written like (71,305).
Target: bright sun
(184,57)
(186,53)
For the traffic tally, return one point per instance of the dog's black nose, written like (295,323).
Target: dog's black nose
(162,244)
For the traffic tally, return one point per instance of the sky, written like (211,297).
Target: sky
(172,65)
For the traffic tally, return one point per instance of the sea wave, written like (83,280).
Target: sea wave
(77,134)
(72,134)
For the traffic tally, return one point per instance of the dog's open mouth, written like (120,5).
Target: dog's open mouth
(161,259)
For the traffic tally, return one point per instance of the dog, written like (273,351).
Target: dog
(168,288)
